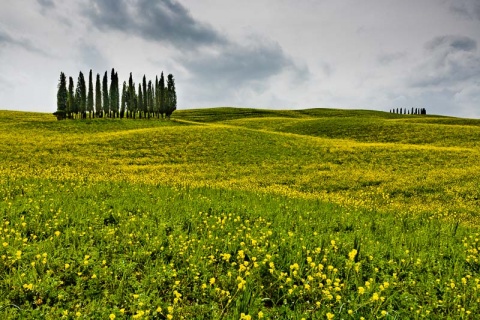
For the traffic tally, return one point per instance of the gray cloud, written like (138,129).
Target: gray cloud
(236,68)
(451,61)
(6,39)
(240,63)
(466,8)
(46,4)
(163,21)
(452,42)
(92,58)
(388,58)
(213,62)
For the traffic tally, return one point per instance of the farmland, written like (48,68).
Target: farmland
(240,214)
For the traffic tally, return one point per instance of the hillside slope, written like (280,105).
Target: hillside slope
(361,158)
(240,214)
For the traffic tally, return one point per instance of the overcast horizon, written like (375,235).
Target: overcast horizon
(270,54)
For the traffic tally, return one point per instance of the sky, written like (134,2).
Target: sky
(270,54)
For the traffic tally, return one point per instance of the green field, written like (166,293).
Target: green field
(232,213)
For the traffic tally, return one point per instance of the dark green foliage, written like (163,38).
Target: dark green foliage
(171,96)
(81,95)
(156,107)
(106,100)
(62,97)
(124,100)
(161,98)
(131,97)
(71,98)
(117,95)
(114,94)
(90,95)
(140,101)
(151,99)
(144,108)
(98,97)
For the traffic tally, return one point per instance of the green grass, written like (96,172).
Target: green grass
(224,212)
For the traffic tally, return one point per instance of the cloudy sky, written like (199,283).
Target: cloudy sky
(279,54)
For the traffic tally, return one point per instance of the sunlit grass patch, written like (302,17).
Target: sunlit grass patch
(131,249)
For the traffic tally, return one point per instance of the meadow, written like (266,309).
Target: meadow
(232,213)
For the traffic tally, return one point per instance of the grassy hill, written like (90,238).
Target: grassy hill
(347,213)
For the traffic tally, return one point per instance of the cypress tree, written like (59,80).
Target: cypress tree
(150,98)
(156,107)
(124,100)
(140,101)
(135,102)
(145,96)
(90,95)
(113,94)
(71,98)
(78,99)
(61,97)
(162,98)
(106,101)
(84,97)
(81,95)
(117,95)
(131,97)
(171,96)
(98,97)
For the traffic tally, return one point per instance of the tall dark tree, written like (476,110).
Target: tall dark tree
(106,100)
(145,96)
(140,100)
(156,106)
(113,94)
(71,98)
(150,97)
(98,97)
(81,95)
(171,96)
(135,103)
(61,98)
(162,97)
(117,96)
(131,97)
(124,100)
(90,95)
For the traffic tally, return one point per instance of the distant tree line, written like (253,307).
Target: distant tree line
(152,100)
(408,111)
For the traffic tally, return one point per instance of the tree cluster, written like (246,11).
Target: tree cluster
(152,100)
(407,111)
